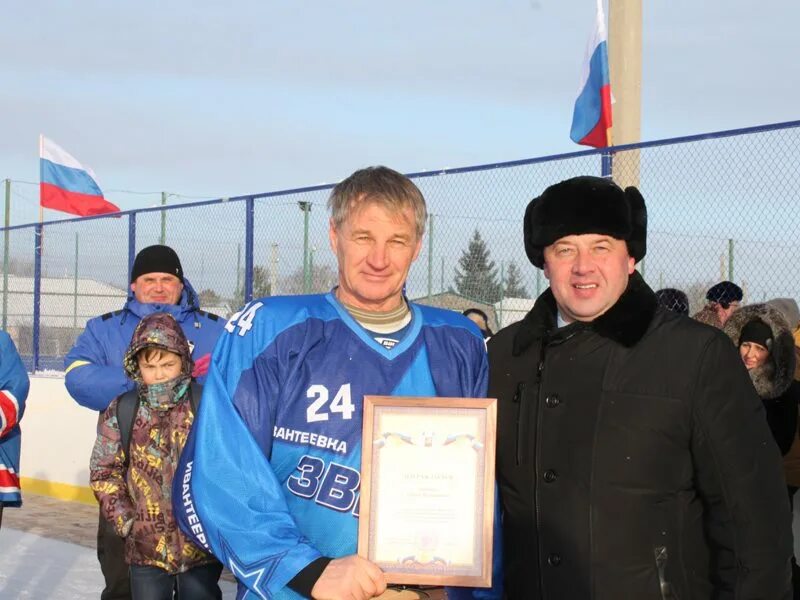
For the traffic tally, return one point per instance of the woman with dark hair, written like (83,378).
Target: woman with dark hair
(766,346)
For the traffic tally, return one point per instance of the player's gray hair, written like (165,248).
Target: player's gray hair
(381,185)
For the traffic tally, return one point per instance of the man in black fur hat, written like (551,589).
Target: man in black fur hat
(633,457)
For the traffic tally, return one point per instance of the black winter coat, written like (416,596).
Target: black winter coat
(634,460)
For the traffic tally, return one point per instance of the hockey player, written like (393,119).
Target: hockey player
(14,386)
(269,478)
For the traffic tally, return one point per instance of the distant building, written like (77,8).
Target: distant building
(65,306)
(511,310)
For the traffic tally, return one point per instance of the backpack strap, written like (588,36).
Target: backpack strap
(196,391)
(127,407)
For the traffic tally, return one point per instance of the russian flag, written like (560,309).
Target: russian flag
(591,119)
(66,185)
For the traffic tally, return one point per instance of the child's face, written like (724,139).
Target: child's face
(160,367)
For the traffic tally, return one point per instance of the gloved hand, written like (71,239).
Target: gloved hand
(201,366)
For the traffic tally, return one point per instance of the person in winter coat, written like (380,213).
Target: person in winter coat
(722,300)
(766,346)
(633,457)
(134,485)
(95,374)
(14,386)
(674,300)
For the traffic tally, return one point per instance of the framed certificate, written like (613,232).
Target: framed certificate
(427,489)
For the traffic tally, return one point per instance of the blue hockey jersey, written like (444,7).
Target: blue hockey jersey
(269,478)
(14,386)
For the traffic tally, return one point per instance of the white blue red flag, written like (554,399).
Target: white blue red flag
(68,186)
(591,119)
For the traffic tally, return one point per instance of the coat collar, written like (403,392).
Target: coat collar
(625,323)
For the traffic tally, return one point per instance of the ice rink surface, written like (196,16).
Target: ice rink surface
(36,567)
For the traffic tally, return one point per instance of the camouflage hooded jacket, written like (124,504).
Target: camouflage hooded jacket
(137,498)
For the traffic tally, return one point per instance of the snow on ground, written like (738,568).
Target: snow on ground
(35,567)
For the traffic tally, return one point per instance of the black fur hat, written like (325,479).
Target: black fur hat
(585,205)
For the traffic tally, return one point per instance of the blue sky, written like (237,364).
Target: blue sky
(214,99)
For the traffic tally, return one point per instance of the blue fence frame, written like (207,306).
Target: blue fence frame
(605,167)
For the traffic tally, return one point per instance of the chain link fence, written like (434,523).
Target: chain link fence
(721,206)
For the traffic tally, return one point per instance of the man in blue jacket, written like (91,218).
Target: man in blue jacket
(14,386)
(95,375)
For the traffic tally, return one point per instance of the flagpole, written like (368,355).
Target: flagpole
(41,177)
(625,65)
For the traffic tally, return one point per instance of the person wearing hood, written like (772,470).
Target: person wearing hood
(133,484)
(766,345)
(633,458)
(94,366)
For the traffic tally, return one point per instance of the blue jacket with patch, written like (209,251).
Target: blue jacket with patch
(14,386)
(95,375)
(269,478)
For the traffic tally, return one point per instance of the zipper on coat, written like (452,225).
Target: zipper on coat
(518,401)
(661,557)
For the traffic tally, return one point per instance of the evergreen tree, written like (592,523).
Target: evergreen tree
(261,288)
(476,275)
(513,284)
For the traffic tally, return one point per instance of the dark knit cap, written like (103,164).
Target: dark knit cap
(674,300)
(585,205)
(758,332)
(724,293)
(157,259)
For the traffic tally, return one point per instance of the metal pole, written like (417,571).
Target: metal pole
(730,259)
(306,208)
(37,292)
(311,267)
(239,270)
(538,282)
(131,241)
(441,285)
(163,219)
(249,243)
(502,292)
(430,256)
(273,270)
(625,66)
(75,288)
(607,164)
(6,262)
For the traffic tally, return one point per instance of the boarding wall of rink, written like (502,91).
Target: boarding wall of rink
(57,440)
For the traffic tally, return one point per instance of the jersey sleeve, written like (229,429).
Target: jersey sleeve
(14,385)
(90,380)
(226,496)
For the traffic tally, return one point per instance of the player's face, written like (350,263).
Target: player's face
(164,367)
(157,288)
(588,273)
(375,248)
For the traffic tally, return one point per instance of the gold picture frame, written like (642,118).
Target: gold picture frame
(427,489)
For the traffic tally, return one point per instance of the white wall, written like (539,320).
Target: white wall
(57,434)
